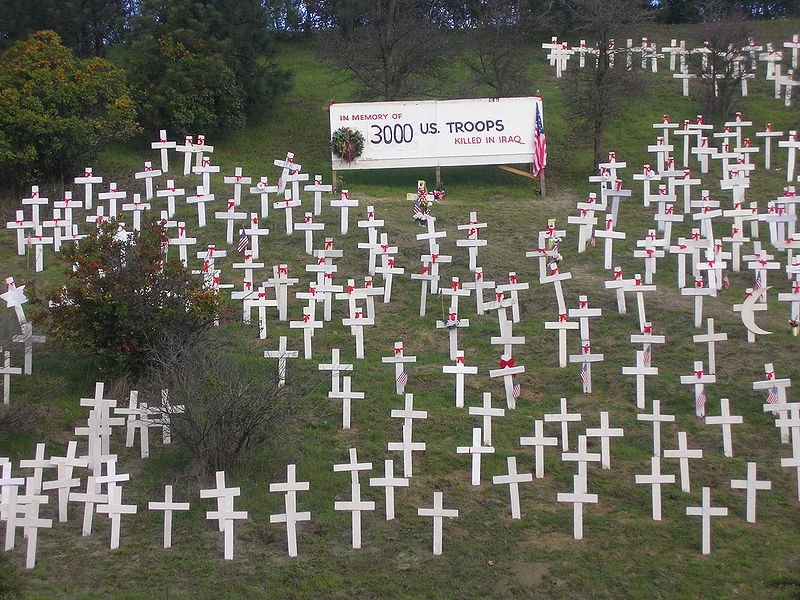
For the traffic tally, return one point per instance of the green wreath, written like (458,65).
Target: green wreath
(347,144)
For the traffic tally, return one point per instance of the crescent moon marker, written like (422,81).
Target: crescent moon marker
(748,312)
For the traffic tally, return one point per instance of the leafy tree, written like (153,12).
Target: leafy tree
(392,49)
(596,92)
(121,299)
(228,42)
(57,111)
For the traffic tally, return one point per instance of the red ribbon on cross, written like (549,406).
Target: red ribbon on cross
(87,173)
(647,329)
(434,257)
(248,285)
(312,290)
(367,283)
(231,204)
(398,350)
(459,360)
(454,286)
(385,247)
(507,363)
(698,283)
(768,127)
(320,260)
(770,375)
(390,262)
(618,274)
(345,195)
(699,373)
(669,209)
(586,348)
(283,271)
(499,296)
(306,318)
(452,316)
(147,168)
(350,289)
(425,270)
(478,275)
(512,278)
(370,214)
(358,314)
(562,317)
(583,303)
(238,178)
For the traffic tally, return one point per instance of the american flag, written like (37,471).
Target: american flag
(539,145)
(402,379)
(517,389)
(244,242)
(772,396)
(648,354)
(417,210)
(759,283)
(701,397)
(585,374)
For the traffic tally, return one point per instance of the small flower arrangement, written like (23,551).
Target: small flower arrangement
(347,144)
(795,325)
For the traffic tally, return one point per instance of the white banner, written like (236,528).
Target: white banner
(485,131)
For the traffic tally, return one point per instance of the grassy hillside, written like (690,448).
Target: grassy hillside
(624,553)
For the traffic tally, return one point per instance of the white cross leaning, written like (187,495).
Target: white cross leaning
(705,511)
(225,514)
(683,453)
(438,512)
(538,441)
(64,481)
(751,485)
(389,482)
(168,506)
(290,516)
(114,508)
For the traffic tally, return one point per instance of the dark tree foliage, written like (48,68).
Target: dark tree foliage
(88,27)
(120,299)
(230,41)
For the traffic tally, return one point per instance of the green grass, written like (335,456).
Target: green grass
(624,553)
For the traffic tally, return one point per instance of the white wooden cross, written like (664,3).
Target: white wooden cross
(371,224)
(513,287)
(655,480)
(399,359)
(281,281)
(792,145)
(705,511)
(389,482)
(699,291)
(453,324)
(317,188)
(163,145)
(38,464)
(562,326)
(478,285)
(792,423)
(59,228)
(711,338)
(751,485)
(92,496)
(486,412)
(565,418)
(473,242)
(237,180)
(115,509)
(556,278)
(282,354)
(20,225)
(335,367)
(508,370)
(432,236)
(609,235)
(290,516)
(308,324)
(187,149)
(261,302)
(438,512)
(309,227)
(137,207)
(578,497)
(356,505)
(430,266)
(636,287)
(88,180)
(460,369)
(344,204)
(263,189)
(387,267)
(112,195)
(656,418)
(39,241)
(725,419)
(205,168)
(346,395)
(604,432)
(582,456)
(683,453)
(684,76)
(287,204)
(200,199)
(768,134)
(168,506)
(64,481)
(248,266)
(661,149)
(793,298)
(225,514)
(513,479)
(477,448)
(229,216)
(28,339)
(539,441)
(357,321)
(25,513)
(585,359)
(7,371)
(170,193)
(776,395)
(148,175)
(641,370)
